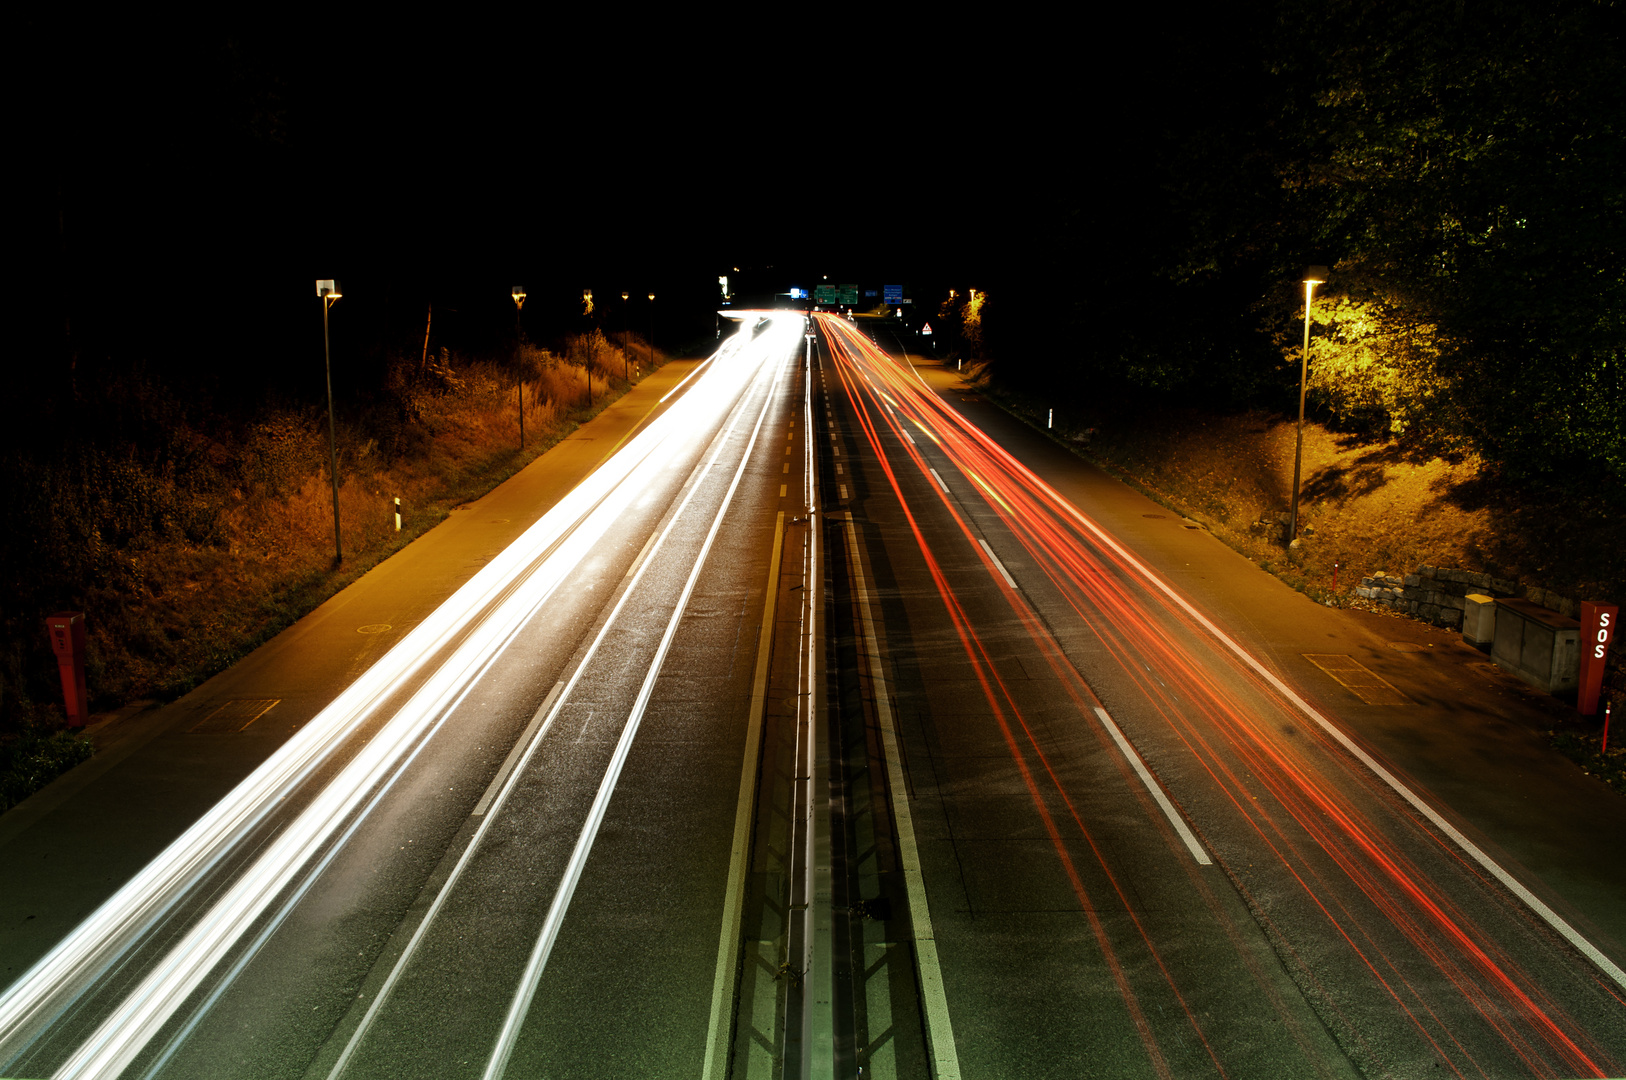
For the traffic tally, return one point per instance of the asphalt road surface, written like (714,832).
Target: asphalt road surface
(818,733)
(1147,846)
(506,849)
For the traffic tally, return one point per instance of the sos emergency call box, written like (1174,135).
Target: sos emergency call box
(67,630)
(1597,630)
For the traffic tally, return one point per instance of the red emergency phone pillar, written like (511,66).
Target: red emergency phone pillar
(1597,629)
(67,630)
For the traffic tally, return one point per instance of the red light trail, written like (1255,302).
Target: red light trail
(1227,717)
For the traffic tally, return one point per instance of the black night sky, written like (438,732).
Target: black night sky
(1145,188)
(187,181)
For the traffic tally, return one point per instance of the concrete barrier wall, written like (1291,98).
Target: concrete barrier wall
(1438,594)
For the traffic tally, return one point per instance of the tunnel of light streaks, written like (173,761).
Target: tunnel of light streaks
(444,656)
(1230,735)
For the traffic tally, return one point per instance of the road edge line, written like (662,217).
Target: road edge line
(1399,787)
(725,978)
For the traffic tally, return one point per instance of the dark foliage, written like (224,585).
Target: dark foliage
(1458,166)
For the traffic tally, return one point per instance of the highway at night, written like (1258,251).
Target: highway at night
(815,732)
(1146,853)
(495,847)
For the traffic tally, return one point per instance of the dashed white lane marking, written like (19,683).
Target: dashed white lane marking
(1169,811)
(1004,573)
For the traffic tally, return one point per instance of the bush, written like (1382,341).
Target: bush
(1376,371)
(595,353)
(35,757)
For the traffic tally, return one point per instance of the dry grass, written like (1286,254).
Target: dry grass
(167,607)
(277,559)
(187,550)
(1365,506)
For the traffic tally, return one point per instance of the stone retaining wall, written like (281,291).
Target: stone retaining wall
(1435,593)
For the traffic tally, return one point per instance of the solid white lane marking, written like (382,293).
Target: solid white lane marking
(1004,573)
(715,1066)
(1169,811)
(818,1016)
(1468,847)
(939,1029)
(939,479)
(518,751)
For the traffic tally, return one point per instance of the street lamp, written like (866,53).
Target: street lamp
(328,291)
(651,331)
(626,361)
(587,299)
(1313,276)
(519,355)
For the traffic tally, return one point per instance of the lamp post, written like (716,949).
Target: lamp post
(587,299)
(626,361)
(651,331)
(519,355)
(328,291)
(1313,276)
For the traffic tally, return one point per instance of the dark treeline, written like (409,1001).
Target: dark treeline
(1458,164)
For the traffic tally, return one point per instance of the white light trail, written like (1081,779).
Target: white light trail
(520,1005)
(1050,495)
(479,619)
(520,757)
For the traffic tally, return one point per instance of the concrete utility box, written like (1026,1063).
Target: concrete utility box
(1479,620)
(1540,646)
